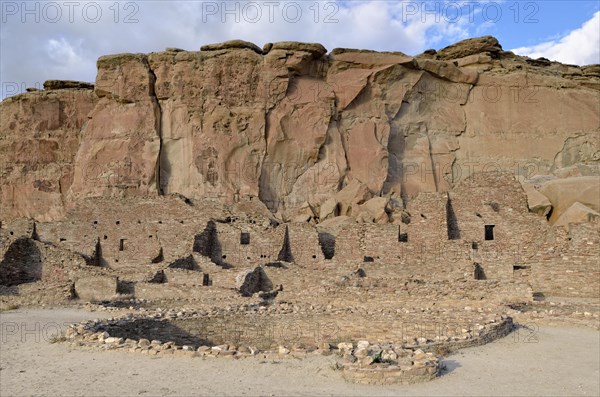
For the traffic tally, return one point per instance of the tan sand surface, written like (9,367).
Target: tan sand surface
(550,361)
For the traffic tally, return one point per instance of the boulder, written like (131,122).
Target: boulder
(469,47)
(351,196)
(303,214)
(267,47)
(448,71)
(372,58)
(124,77)
(577,213)
(563,193)
(473,60)
(316,49)
(66,84)
(428,54)
(536,201)
(327,209)
(335,224)
(232,45)
(346,202)
(373,211)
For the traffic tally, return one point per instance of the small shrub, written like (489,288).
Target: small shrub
(495,206)
(441,350)
(337,367)
(57,338)
(10,306)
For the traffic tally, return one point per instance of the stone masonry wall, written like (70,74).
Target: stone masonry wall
(144,235)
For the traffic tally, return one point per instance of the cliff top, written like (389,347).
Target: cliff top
(483,53)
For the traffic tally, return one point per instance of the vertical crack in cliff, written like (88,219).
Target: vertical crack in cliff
(462,105)
(335,122)
(262,195)
(158,127)
(62,195)
(396,140)
(432,161)
(344,144)
(396,157)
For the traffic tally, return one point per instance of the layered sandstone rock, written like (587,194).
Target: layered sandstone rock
(311,135)
(577,213)
(120,144)
(39,141)
(563,193)
(536,201)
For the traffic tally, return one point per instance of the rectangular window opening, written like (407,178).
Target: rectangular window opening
(489,232)
(244,238)
(478,272)
(521,267)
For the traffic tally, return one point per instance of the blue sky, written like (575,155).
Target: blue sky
(62,40)
(540,21)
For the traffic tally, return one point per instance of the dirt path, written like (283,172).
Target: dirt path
(551,361)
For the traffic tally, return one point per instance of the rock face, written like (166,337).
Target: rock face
(536,201)
(120,160)
(39,141)
(311,135)
(577,213)
(474,46)
(564,193)
(66,84)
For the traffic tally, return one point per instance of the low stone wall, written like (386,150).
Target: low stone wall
(420,371)
(363,362)
(96,288)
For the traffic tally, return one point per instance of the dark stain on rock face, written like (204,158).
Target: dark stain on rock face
(207,165)
(44,186)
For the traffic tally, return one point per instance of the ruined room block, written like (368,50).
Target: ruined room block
(22,263)
(251,281)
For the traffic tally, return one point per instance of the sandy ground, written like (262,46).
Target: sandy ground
(548,362)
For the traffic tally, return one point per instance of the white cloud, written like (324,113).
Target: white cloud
(34,51)
(37,45)
(580,46)
(65,58)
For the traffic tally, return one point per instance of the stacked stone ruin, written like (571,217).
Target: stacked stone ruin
(178,179)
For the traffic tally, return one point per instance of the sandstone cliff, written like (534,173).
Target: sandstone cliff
(310,134)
